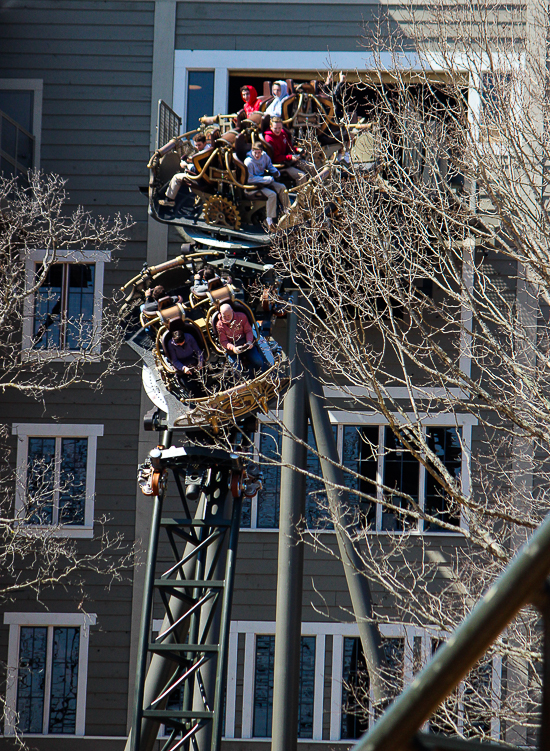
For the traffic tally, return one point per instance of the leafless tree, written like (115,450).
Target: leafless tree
(424,270)
(36,223)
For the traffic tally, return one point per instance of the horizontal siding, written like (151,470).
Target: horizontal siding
(96,62)
(277,26)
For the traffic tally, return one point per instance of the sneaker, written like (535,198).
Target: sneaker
(271,228)
(167,202)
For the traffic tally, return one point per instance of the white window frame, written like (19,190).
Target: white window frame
(49,620)
(222,62)
(463,422)
(97,257)
(322,630)
(37,86)
(24,431)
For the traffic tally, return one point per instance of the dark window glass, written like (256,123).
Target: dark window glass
(72,495)
(31,678)
(6,168)
(270,458)
(477,698)
(19,106)
(200,96)
(65,651)
(40,480)
(48,308)
(445,719)
(445,443)
(355,684)
(401,475)
(360,454)
(317,513)
(80,305)
(64,307)
(9,138)
(25,147)
(417,654)
(263,686)
(307,687)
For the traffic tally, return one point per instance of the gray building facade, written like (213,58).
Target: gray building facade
(95,70)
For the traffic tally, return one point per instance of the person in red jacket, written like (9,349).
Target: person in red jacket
(250,99)
(283,151)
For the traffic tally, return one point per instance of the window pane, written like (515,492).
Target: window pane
(47,308)
(40,480)
(72,491)
(263,686)
(394,652)
(360,454)
(445,443)
(80,305)
(6,168)
(66,644)
(19,106)
(24,150)
(307,687)
(200,96)
(355,684)
(401,474)
(9,138)
(268,497)
(317,513)
(31,678)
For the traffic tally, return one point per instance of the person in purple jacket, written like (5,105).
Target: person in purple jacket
(187,358)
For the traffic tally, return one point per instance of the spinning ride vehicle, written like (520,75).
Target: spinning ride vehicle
(215,195)
(214,392)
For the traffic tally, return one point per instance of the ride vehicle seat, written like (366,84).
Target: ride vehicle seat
(238,307)
(190,329)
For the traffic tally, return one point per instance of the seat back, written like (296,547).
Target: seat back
(242,147)
(241,172)
(267,146)
(169,165)
(199,160)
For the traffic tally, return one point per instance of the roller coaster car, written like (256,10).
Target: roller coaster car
(229,396)
(215,195)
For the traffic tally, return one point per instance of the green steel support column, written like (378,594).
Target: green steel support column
(145,623)
(291,558)
(221,677)
(519,584)
(358,584)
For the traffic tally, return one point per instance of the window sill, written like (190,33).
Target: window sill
(77,533)
(35,355)
(412,533)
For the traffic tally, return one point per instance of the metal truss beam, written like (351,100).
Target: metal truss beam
(180,675)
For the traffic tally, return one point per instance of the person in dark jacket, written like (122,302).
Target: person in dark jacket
(187,358)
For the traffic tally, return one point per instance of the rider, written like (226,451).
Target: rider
(250,99)
(280,93)
(237,338)
(187,358)
(257,162)
(283,150)
(201,144)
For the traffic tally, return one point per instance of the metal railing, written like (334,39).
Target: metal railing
(168,124)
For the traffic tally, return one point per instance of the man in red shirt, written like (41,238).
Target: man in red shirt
(283,151)
(237,338)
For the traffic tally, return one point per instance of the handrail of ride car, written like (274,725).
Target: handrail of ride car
(234,179)
(189,176)
(152,271)
(170,146)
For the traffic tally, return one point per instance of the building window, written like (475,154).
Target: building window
(64,307)
(64,315)
(262,512)
(20,125)
(56,476)
(47,673)
(200,96)
(376,454)
(263,686)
